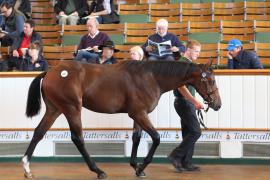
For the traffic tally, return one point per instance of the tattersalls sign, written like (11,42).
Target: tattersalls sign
(123,135)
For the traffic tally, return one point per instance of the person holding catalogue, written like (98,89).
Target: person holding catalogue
(163,36)
(88,48)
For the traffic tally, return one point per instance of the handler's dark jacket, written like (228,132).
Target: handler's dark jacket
(190,88)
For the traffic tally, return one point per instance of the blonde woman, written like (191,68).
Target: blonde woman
(136,53)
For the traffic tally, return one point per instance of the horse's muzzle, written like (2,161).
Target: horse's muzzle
(215,105)
(216,108)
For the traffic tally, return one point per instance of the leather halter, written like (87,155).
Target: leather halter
(210,92)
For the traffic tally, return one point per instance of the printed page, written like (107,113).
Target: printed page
(155,47)
(165,48)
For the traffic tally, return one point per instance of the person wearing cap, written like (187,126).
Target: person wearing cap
(185,105)
(163,36)
(239,58)
(88,48)
(108,50)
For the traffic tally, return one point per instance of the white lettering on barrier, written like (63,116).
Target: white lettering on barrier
(6,136)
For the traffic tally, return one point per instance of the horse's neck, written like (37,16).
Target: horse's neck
(171,82)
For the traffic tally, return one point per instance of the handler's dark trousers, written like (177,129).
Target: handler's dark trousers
(191,131)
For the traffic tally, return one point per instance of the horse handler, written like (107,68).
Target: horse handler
(185,105)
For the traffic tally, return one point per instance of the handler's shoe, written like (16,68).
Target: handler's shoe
(177,165)
(191,167)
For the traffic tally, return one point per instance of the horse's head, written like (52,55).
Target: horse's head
(206,86)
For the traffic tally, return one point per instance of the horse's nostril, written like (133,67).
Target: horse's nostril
(216,107)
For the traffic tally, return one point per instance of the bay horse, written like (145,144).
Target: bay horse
(132,87)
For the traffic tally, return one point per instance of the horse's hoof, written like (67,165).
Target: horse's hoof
(139,172)
(102,175)
(28,175)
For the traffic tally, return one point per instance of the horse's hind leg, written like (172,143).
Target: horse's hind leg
(136,137)
(74,120)
(143,121)
(46,122)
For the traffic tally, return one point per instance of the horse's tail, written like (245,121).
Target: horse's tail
(33,104)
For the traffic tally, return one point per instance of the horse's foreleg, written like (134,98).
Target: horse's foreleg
(148,159)
(77,138)
(46,122)
(136,137)
(144,122)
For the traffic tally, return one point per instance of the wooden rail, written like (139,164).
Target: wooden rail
(18,74)
(247,72)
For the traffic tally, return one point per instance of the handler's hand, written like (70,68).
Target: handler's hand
(198,105)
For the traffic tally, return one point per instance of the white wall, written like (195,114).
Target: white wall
(245,104)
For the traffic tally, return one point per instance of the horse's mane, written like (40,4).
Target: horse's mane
(161,68)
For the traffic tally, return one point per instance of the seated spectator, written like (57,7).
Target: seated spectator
(34,61)
(107,53)
(105,11)
(23,6)
(239,58)
(12,24)
(162,35)
(88,47)
(21,44)
(70,11)
(3,65)
(1,15)
(136,53)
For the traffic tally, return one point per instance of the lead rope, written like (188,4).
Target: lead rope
(200,117)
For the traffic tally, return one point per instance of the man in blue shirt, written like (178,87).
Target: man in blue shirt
(170,51)
(239,58)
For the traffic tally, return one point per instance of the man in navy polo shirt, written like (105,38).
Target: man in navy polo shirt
(175,47)
(239,58)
